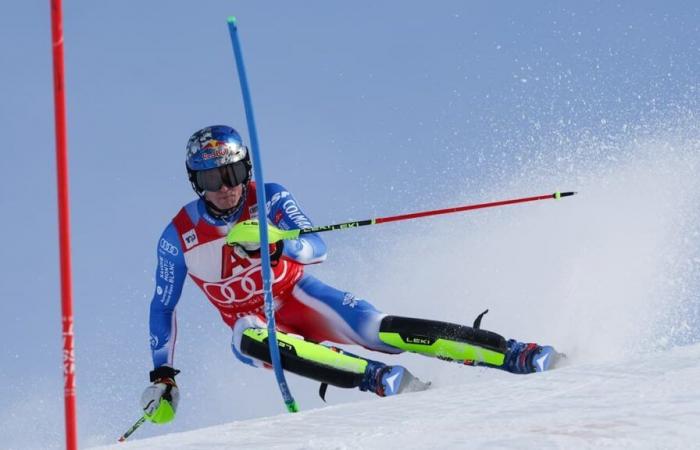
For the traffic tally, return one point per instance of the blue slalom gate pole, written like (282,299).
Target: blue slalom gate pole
(262,221)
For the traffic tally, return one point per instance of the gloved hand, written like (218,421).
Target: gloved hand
(246,235)
(253,250)
(248,232)
(159,400)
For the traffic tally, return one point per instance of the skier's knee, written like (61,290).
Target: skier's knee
(243,324)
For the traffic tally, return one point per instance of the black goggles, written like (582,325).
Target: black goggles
(213,179)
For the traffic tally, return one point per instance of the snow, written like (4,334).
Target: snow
(648,401)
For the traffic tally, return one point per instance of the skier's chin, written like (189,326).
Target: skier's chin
(227,202)
(224,201)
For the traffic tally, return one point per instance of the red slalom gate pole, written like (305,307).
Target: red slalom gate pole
(64,225)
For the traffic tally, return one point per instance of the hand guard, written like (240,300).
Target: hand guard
(159,400)
(248,231)
(246,235)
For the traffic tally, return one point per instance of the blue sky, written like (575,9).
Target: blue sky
(363,109)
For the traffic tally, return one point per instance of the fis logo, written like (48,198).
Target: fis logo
(190,239)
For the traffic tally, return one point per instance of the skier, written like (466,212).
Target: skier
(308,312)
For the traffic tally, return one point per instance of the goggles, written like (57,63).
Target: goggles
(213,179)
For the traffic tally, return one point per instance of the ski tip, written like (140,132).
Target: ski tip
(232,20)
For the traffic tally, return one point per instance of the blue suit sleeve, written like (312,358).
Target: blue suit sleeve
(284,212)
(170,277)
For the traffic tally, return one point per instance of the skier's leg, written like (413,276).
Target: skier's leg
(473,346)
(329,365)
(320,312)
(323,313)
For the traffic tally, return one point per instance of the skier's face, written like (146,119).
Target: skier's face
(226,197)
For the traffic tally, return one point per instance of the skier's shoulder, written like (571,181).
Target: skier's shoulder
(271,188)
(190,212)
(274,192)
(185,219)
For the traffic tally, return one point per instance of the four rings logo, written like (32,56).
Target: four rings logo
(168,247)
(241,287)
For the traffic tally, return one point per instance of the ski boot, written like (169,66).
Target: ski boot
(524,358)
(386,380)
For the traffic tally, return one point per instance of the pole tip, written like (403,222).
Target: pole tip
(557,195)
(232,20)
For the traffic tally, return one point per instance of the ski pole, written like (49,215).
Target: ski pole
(248,231)
(434,212)
(262,226)
(133,428)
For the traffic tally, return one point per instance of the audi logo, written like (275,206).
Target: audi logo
(168,247)
(240,288)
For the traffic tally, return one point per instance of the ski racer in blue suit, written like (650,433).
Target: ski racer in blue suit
(311,316)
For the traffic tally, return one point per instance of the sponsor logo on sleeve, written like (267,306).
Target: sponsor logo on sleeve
(168,247)
(276,197)
(190,239)
(294,213)
(166,271)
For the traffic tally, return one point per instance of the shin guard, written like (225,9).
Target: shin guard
(444,340)
(307,359)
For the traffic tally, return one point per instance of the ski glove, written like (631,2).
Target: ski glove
(159,400)
(247,236)
(248,231)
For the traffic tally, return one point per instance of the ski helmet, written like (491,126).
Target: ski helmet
(216,155)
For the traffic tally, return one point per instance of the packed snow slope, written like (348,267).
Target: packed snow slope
(646,401)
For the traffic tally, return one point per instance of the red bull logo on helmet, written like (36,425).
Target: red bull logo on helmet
(214,149)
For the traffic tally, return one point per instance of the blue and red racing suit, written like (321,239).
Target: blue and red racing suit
(194,243)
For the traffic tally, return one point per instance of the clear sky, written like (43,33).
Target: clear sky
(363,109)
